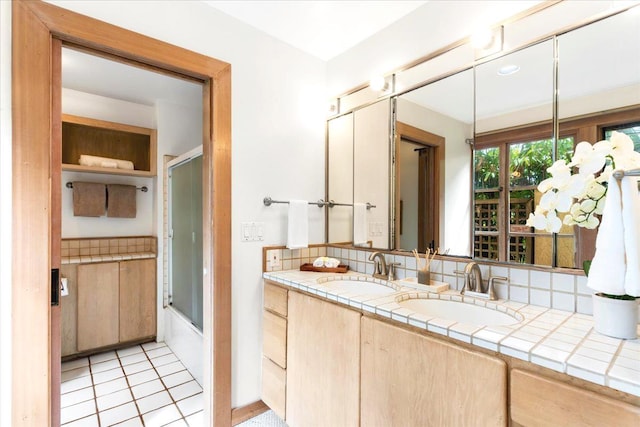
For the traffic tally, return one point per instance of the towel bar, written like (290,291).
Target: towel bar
(268,201)
(619,174)
(144,188)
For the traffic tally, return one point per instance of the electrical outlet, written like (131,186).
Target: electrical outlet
(274,259)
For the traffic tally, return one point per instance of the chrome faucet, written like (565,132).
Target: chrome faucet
(473,284)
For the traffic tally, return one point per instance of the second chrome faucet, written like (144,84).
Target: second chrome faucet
(382,270)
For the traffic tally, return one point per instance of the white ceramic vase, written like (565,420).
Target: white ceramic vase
(615,317)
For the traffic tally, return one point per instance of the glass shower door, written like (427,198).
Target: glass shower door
(185,238)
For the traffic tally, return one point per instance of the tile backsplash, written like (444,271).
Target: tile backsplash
(560,290)
(73,248)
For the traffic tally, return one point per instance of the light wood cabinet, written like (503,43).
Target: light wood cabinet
(537,401)
(81,135)
(108,304)
(323,363)
(412,380)
(274,348)
(137,299)
(98,305)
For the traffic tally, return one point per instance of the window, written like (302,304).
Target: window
(508,166)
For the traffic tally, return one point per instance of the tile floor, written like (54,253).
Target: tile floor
(144,385)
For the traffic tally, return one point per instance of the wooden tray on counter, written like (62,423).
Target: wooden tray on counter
(342,268)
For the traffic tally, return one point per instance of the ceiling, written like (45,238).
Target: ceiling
(324,29)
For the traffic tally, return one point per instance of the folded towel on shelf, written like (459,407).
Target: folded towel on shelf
(89,199)
(298,224)
(327,262)
(104,162)
(359,224)
(121,201)
(631,224)
(608,265)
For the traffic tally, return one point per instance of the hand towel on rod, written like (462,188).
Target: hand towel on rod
(359,224)
(298,224)
(608,265)
(121,201)
(631,224)
(89,199)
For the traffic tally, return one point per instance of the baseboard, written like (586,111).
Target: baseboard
(251,410)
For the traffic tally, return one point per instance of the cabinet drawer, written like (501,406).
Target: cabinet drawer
(275,299)
(274,340)
(564,405)
(274,380)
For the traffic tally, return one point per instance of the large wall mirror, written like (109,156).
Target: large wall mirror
(466,152)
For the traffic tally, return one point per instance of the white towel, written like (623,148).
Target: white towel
(608,266)
(298,225)
(105,162)
(359,224)
(631,224)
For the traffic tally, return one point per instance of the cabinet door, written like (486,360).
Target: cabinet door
(323,363)
(69,310)
(97,305)
(137,299)
(412,380)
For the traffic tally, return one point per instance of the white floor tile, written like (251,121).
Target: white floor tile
(129,351)
(133,422)
(77,411)
(73,364)
(90,421)
(154,401)
(103,377)
(104,366)
(145,389)
(75,373)
(118,414)
(162,416)
(178,378)
(170,368)
(164,360)
(75,384)
(102,357)
(161,351)
(134,358)
(112,400)
(77,396)
(196,420)
(137,367)
(152,345)
(191,404)
(111,386)
(179,423)
(185,390)
(142,377)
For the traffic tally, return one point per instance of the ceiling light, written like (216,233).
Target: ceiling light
(378,83)
(508,69)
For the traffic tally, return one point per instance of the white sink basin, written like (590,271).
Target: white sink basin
(358,286)
(459,312)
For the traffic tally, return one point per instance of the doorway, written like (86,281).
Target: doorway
(36,118)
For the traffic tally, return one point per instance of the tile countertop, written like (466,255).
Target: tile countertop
(560,340)
(86,259)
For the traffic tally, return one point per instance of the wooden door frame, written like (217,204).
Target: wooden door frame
(35,26)
(422,137)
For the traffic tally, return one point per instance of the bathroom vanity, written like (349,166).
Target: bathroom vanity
(348,358)
(111,297)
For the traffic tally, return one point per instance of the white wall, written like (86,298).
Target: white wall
(455,207)
(5,212)
(278,105)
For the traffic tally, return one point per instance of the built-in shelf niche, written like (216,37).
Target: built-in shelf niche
(81,135)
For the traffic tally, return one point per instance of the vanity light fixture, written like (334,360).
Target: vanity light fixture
(487,41)
(332,108)
(379,84)
(507,70)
